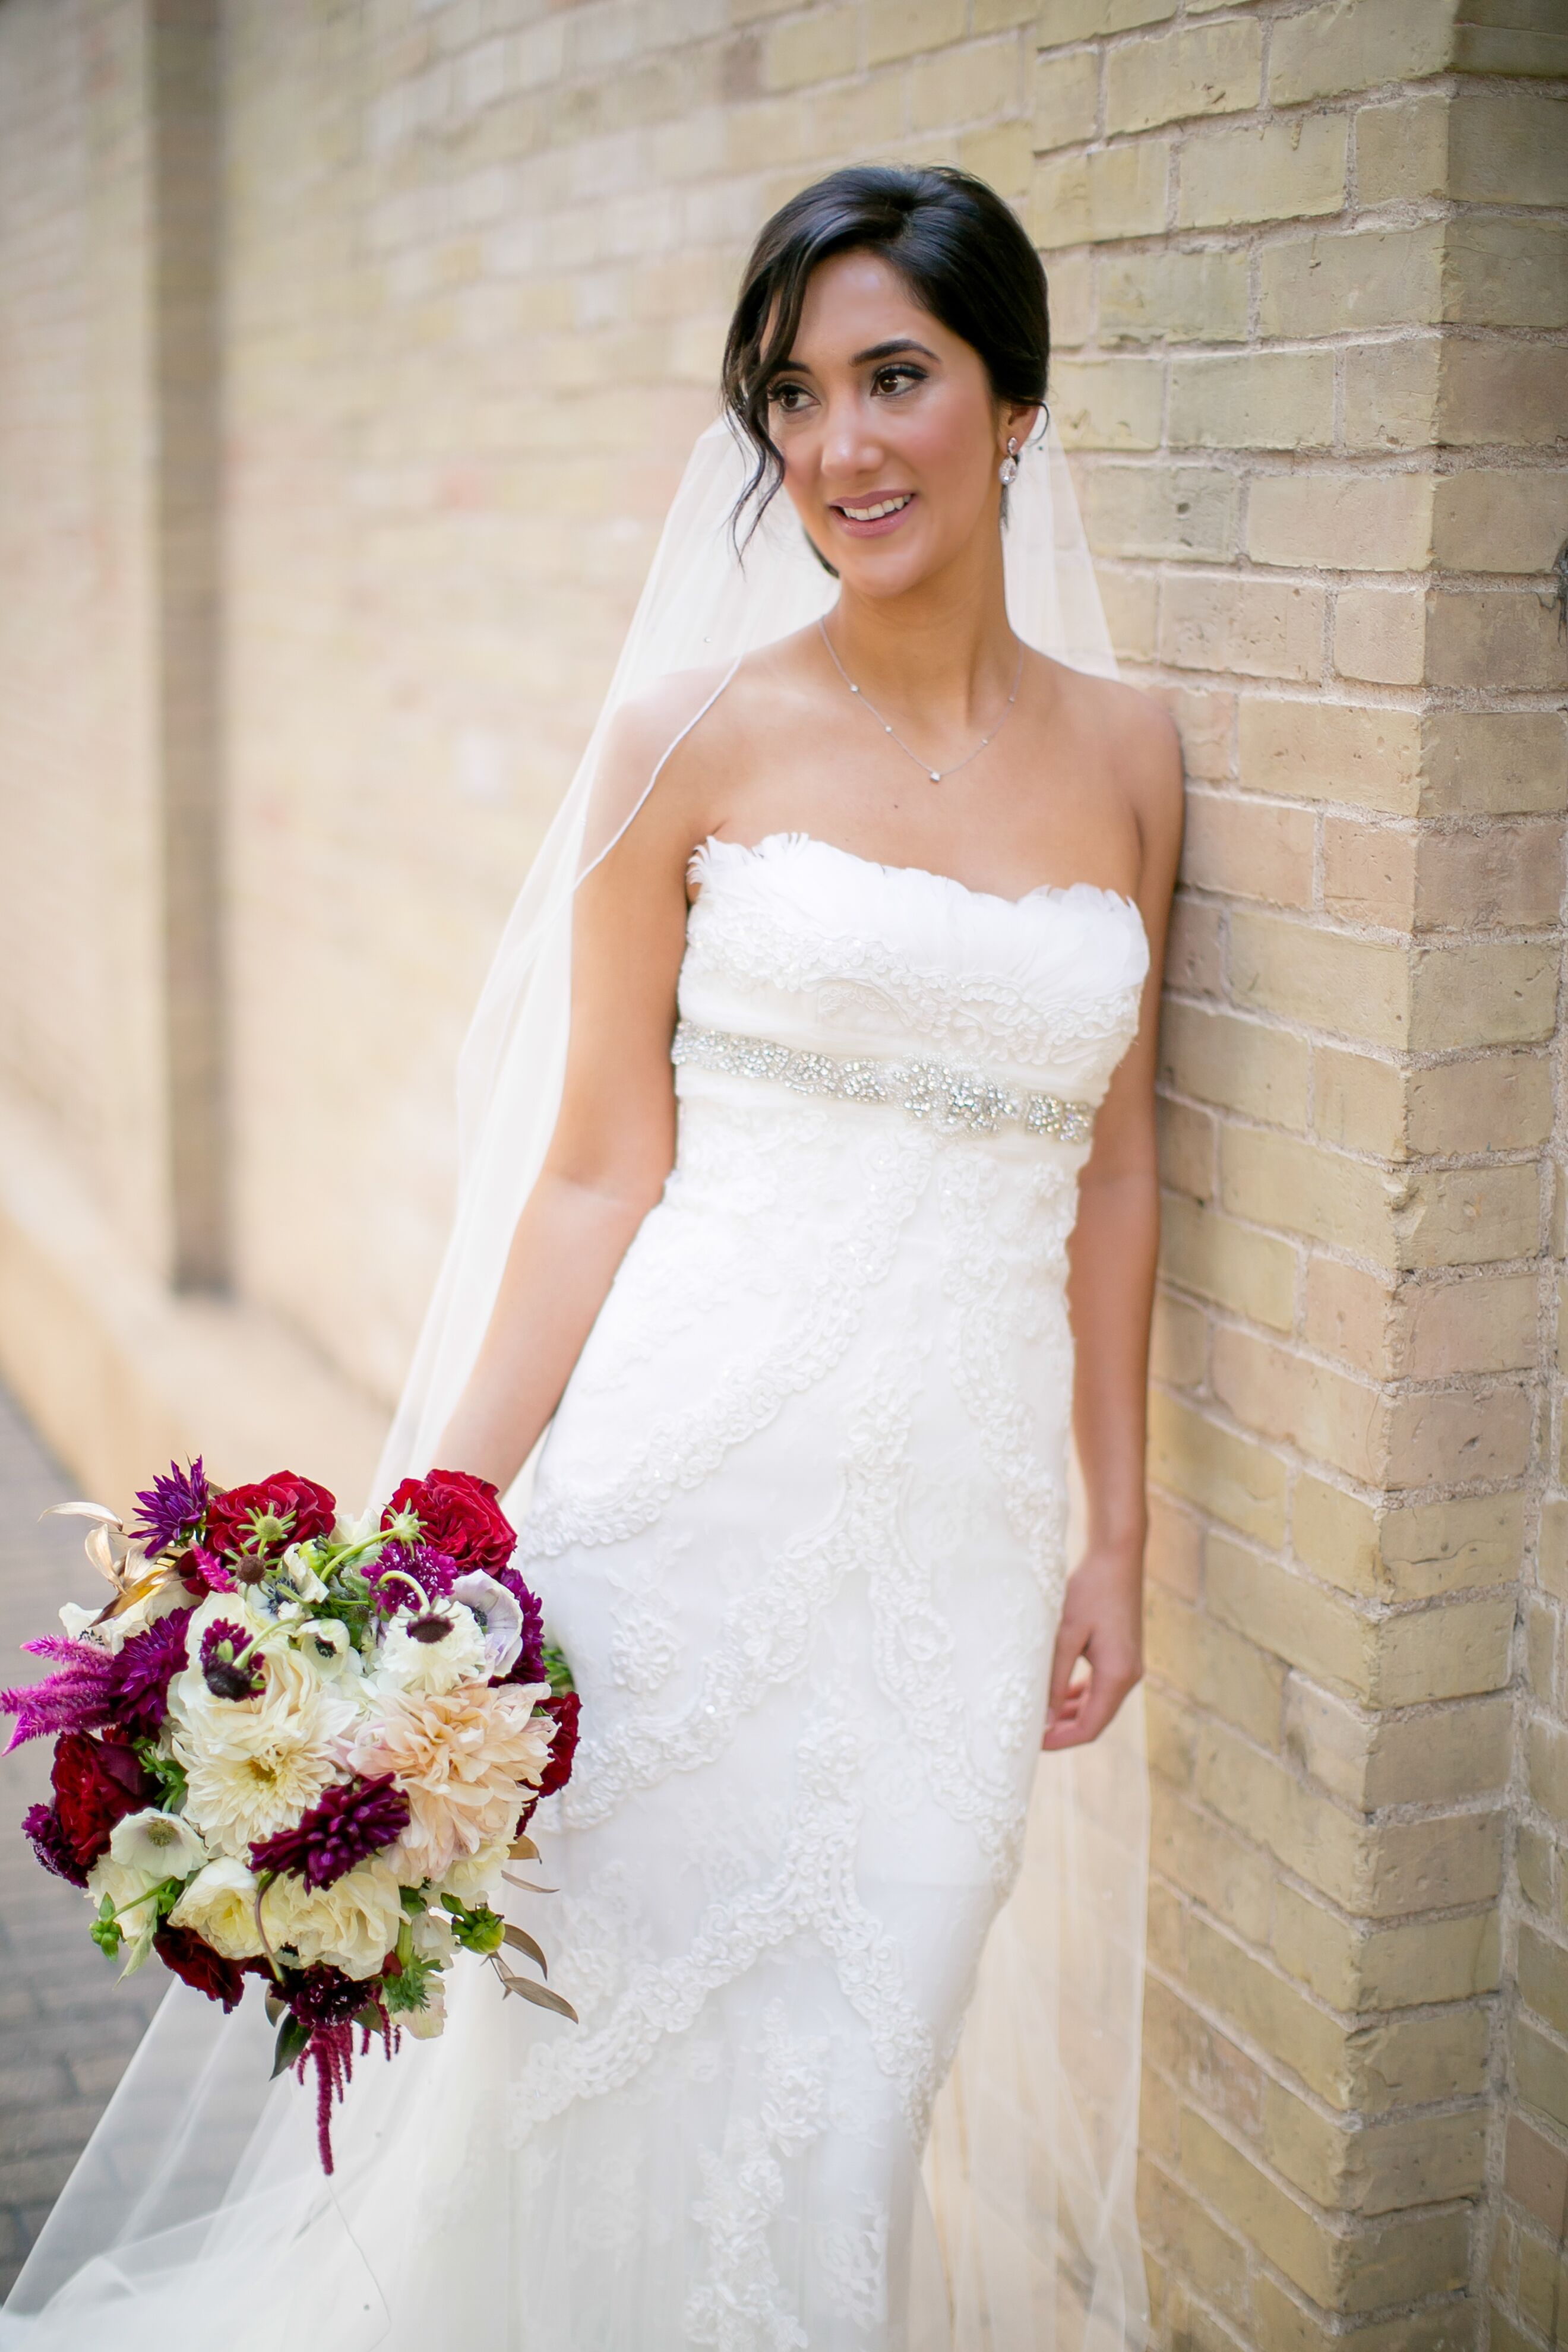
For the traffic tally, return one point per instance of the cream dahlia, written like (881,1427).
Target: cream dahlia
(463,1758)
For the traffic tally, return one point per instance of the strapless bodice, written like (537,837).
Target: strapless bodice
(808,945)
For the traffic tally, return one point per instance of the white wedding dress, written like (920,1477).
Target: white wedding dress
(799,1526)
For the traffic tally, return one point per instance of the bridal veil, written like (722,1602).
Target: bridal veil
(200,2177)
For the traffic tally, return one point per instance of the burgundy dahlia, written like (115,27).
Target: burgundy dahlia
(143,1670)
(566,1706)
(348,1822)
(196,1964)
(43,1830)
(173,1509)
(97,1782)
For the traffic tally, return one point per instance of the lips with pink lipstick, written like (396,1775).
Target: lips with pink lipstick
(874,515)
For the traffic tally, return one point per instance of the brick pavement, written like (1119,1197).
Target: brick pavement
(66,2027)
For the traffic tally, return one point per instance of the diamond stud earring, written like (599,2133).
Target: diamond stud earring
(1008,469)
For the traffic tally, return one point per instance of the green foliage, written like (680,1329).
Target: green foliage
(105,1930)
(557,1671)
(169,1774)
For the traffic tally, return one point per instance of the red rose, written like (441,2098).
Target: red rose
(198,1965)
(300,1508)
(566,1706)
(97,1783)
(458,1516)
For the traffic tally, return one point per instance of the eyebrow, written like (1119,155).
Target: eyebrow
(864,359)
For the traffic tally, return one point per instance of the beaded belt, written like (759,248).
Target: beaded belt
(953,1101)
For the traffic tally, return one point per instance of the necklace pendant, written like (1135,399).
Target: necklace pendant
(934,777)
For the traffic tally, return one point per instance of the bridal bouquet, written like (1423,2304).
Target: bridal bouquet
(301,1747)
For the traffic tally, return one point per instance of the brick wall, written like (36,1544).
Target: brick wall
(1311,265)
(1308,287)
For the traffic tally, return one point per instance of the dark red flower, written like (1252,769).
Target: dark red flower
(348,1820)
(196,1964)
(567,1708)
(458,1515)
(288,1509)
(97,1783)
(42,1827)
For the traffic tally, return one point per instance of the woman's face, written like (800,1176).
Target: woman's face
(890,432)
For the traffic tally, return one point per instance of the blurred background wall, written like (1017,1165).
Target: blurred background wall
(348,352)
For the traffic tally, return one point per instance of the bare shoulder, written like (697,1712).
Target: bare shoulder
(1138,750)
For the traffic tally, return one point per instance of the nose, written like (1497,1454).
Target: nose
(851,447)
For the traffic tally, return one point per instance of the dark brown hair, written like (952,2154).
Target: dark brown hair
(961,250)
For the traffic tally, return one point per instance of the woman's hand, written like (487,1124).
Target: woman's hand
(1102,1629)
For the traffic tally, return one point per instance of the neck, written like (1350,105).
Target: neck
(942,650)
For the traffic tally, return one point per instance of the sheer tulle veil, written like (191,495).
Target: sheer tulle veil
(198,2176)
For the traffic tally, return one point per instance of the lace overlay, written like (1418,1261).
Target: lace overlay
(798,1524)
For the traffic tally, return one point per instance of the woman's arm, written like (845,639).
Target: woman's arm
(613,1141)
(1110,1293)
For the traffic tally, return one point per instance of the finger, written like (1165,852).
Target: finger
(1071,1643)
(1088,1720)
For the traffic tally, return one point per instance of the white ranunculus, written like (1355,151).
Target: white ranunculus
(425,2023)
(476,1877)
(164,1844)
(219,1906)
(431,1935)
(352,1924)
(405,1663)
(500,1618)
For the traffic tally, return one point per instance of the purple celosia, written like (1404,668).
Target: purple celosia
(78,1698)
(147,1664)
(173,1509)
(41,1825)
(348,1822)
(228,1667)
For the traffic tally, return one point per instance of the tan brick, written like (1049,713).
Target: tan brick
(1354,45)
(1242,1483)
(1274,1179)
(1287,1615)
(1359,1103)
(1492,638)
(1251,1272)
(1194,957)
(1171,76)
(1109,403)
(1132,602)
(1546,1766)
(1380,634)
(1216,1667)
(1385,2261)
(1199,2058)
(1186,1142)
(1176,1548)
(1071,293)
(902,28)
(814,48)
(1544,1976)
(1480,1324)
(1490,520)
(1503,272)
(1509,878)
(1094,199)
(1350,1313)
(1459,1436)
(1332,751)
(1313,1406)
(1358,1968)
(1535,2172)
(1391,395)
(1380,2168)
(1370,1760)
(1256,627)
(1250,849)
(1085,20)
(965,84)
(1552,1550)
(1206,722)
(1179,513)
(1178,1345)
(1000,154)
(1189,298)
(1351,522)
(1339,279)
(1494,762)
(1067,99)
(1253,400)
(1287,2324)
(1242,1065)
(1500,1102)
(1277,171)
(1410,1554)
(1172,2218)
(1331,980)
(1509,148)
(1206,1859)
(1541,2073)
(1481,992)
(1500,392)
(1369,873)
(1401,149)
(1469,1216)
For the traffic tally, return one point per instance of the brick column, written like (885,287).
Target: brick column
(1309,275)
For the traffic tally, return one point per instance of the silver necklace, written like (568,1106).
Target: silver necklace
(937,775)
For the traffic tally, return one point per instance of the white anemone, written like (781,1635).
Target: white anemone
(499,1617)
(405,1663)
(165,1844)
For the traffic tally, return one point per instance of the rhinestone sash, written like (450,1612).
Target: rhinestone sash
(955,1101)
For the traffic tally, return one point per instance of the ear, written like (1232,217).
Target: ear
(1017,420)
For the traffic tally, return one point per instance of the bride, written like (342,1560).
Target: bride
(804,1245)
